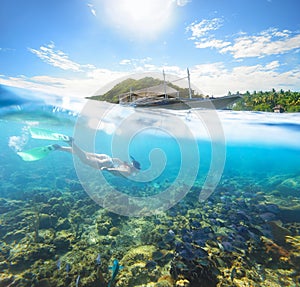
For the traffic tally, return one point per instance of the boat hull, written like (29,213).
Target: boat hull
(185,104)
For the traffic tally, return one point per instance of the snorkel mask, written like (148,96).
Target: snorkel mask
(135,163)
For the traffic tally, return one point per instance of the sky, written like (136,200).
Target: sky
(73,48)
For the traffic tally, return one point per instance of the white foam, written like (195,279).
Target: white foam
(17,143)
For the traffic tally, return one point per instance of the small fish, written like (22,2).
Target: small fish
(102,282)
(170,236)
(151,265)
(233,273)
(58,264)
(77,281)
(68,267)
(115,270)
(98,260)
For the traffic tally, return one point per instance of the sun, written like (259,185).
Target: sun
(145,19)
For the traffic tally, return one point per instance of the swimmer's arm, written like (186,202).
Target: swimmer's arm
(111,168)
(119,168)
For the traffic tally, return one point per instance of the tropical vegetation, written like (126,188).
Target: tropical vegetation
(288,101)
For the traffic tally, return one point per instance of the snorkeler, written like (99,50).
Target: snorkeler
(98,161)
(101,161)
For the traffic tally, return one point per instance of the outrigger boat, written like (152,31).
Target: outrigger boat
(164,96)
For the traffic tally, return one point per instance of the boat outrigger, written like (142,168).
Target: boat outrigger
(164,96)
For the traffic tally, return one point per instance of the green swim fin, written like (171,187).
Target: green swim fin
(38,133)
(36,153)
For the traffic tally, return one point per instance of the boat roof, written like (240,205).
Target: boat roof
(153,91)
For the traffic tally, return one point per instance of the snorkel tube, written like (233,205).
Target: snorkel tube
(135,163)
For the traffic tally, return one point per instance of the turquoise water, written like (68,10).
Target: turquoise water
(258,183)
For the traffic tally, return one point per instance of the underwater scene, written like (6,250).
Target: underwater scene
(214,199)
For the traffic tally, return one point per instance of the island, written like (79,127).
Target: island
(265,101)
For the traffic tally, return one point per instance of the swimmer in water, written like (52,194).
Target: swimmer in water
(102,161)
(98,161)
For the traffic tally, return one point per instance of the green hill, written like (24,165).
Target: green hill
(112,95)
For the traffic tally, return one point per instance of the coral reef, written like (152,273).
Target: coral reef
(51,235)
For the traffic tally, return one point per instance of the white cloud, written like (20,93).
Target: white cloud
(57,58)
(215,79)
(266,43)
(125,62)
(202,28)
(213,70)
(92,9)
(135,62)
(6,49)
(75,87)
(213,43)
(272,65)
(182,2)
